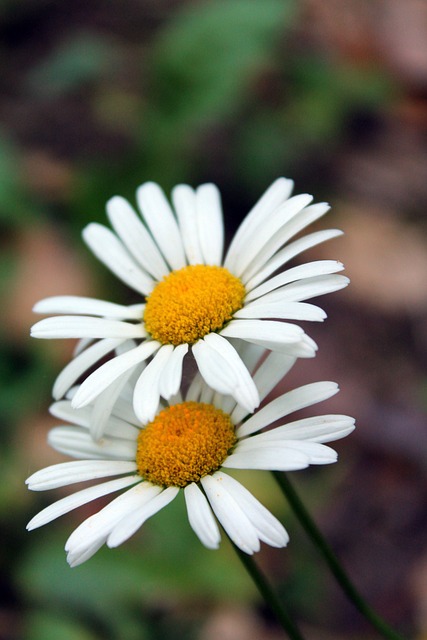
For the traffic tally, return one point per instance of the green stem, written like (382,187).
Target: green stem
(268,594)
(343,580)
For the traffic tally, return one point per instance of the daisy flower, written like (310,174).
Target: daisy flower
(191,298)
(186,447)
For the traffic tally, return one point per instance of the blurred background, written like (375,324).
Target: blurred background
(98,97)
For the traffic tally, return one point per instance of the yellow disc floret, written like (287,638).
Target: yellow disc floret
(192,302)
(184,443)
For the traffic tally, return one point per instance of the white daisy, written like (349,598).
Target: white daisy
(192,298)
(187,446)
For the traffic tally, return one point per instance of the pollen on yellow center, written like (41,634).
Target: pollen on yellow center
(184,443)
(192,302)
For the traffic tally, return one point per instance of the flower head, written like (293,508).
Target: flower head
(191,299)
(186,447)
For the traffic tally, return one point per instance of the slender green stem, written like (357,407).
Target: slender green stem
(269,595)
(344,581)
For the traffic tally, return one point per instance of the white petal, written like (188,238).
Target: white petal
(184,200)
(161,221)
(289,402)
(307,288)
(287,253)
(170,379)
(81,363)
(135,237)
(65,473)
(200,517)
(77,499)
(111,252)
(104,404)
(115,426)
(268,459)
(325,428)
(81,345)
(77,443)
(281,310)
(209,223)
(110,371)
(146,396)
(234,520)
(261,236)
(195,388)
(86,327)
(207,394)
(74,559)
(307,270)
(267,376)
(316,453)
(98,527)
(268,528)
(224,371)
(275,195)
(258,331)
(294,226)
(88,306)
(129,525)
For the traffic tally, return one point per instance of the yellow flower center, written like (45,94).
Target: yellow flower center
(184,443)
(192,302)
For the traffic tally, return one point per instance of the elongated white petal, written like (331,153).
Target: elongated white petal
(325,428)
(287,253)
(267,376)
(81,345)
(128,226)
(307,270)
(77,499)
(289,402)
(129,525)
(99,526)
(104,403)
(223,370)
(146,396)
(282,311)
(77,558)
(234,520)
(115,426)
(267,459)
(284,234)
(258,330)
(81,363)
(306,288)
(209,223)
(88,306)
(184,201)
(162,223)
(275,195)
(171,376)
(111,252)
(260,237)
(65,473)
(110,371)
(86,327)
(76,442)
(316,453)
(195,388)
(200,517)
(268,528)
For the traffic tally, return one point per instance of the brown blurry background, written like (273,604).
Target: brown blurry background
(97,97)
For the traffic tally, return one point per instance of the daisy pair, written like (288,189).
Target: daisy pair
(190,297)
(189,446)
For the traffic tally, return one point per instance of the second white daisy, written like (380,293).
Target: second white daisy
(186,447)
